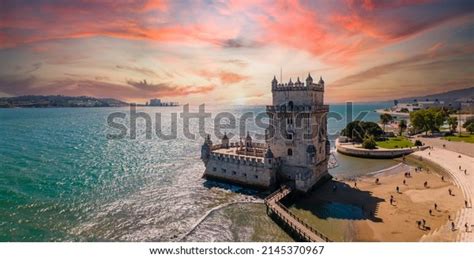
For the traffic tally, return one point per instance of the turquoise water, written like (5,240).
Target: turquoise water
(62,179)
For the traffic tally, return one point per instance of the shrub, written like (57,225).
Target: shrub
(418,143)
(369,143)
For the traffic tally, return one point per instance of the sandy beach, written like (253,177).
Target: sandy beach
(378,219)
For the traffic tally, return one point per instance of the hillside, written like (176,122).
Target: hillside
(462,94)
(58,101)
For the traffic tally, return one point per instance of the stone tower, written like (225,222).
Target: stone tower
(297,131)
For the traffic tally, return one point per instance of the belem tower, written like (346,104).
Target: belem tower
(296,149)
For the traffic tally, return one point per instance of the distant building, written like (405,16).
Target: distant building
(159,103)
(155,102)
(426,104)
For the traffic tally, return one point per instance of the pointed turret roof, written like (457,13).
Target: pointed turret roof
(321,81)
(248,136)
(269,153)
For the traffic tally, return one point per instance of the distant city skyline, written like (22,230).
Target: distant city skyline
(227,52)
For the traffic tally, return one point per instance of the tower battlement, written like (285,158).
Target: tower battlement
(298,85)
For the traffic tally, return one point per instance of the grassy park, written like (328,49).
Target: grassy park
(395,143)
(460,138)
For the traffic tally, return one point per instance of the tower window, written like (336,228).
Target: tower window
(290,152)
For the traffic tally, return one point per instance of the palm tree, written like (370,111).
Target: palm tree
(402,125)
(385,119)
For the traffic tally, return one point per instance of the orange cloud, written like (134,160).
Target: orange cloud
(225,77)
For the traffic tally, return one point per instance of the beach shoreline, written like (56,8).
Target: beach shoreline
(360,209)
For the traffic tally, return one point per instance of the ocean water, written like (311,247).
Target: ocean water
(63,179)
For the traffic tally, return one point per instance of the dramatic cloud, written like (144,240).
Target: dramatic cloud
(140,70)
(420,61)
(72,87)
(224,77)
(89,47)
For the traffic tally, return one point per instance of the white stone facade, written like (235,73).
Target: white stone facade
(296,149)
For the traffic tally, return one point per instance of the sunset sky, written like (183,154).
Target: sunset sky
(227,52)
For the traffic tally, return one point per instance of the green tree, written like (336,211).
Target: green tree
(469,125)
(385,119)
(402,126)
(369,143)
(358,130)
(426,120)
(470,128)
(453,123)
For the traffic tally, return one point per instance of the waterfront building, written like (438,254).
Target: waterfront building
(296,149)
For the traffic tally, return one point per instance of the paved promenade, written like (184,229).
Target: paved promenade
(461,147)
(450,161)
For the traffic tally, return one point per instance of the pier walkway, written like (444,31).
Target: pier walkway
(296,225)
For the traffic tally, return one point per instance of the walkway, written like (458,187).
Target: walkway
(450,161)
(461,147)
(298,226)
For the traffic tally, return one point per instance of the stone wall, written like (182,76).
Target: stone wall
(351,150)
(298,96)
(241,170)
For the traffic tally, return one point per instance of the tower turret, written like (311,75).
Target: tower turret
(321,81)
(274,81)
(309,80)
(206,149)
(248,141)
(225,141)
(298,82)
(269,158)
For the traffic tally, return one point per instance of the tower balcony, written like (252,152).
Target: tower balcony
(298,108)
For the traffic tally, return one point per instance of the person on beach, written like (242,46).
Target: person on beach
(453,227)
(436,206)
(418,223)
(398,189)
(431,212)
(465,172)
(465,203)
(355,184)
(449,217)
(404,182)
(459,167)
(442,178)
(467,227)
(377,181)
(425,184)
(450,191)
